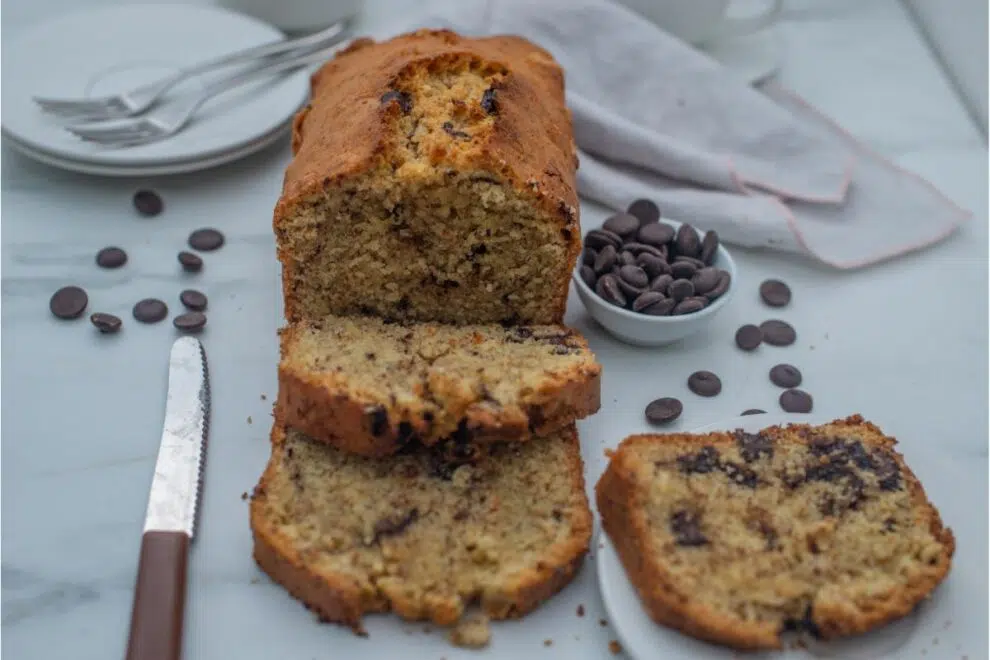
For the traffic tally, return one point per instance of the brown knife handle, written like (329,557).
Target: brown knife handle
(156,618)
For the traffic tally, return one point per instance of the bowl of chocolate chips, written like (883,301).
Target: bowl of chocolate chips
(652,281)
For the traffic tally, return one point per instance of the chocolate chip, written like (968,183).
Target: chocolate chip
(753,446)
(150,310)
(587,274)
(645,210)
(752,411)
(795,401)
(704,383)
(652,264)
(660,308)
(111,257)
(686,528)
(724,280)
(689,306)
(403,99)
(148,203)
(191,263)
(69,302)
(406,433)
(887,471)
(395,525)
(107,324)
(804,624)
(749,337)
(709,247)
(661,282)
(680,289)
(634,276)
(687,241)
(379,420)
(449,129)
(605,260)
(608,290)
(193,299)
(697,263)
(785,375)
(190,321)
(775,293)
(640,248)
(740,474)
(705,461)
(599,238)
(778,333)
(623,224)
(489,101)
(206,240)
(683,270)
(655,234)
(588,256)
(646,299)
(627,258)
(664,410)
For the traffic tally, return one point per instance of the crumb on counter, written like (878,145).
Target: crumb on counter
(580,610)
(615,647)
(244,495)
(602,622)
(609,453)
(548,642)
(264,398)
(471,632)
(249,419)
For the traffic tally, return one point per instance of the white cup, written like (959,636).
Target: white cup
(297,15)
(703,21)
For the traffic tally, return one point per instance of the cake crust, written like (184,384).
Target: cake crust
(621,496)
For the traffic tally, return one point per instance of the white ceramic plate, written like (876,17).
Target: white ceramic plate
(110,49)
(911,637)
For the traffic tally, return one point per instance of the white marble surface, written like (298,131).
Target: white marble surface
(904,343)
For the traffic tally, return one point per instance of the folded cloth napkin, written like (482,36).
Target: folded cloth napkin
(658,119)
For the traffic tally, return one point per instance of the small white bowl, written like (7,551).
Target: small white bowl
(646,330)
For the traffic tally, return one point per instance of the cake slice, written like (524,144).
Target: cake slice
(736,537)
(424,533)
(370,387)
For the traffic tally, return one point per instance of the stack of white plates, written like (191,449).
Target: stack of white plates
(113,49)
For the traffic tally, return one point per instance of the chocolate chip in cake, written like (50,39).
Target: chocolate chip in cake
(740,474)
(191,263)
(193,300)
(803,624)
(775,293)
(634,276)
(190,322)
(749,337)
(752,411)
(664,410)
(403,99)
(709,247)
(778,333)
(448,128)
(785,375)
(107,324)
(683,270)
(606,259)
(724,280)
(599,238)
(686,528)
(887,470)
(69,302)
(148,203)
(623,224)
(753,446)
(704,383)
(489,101)
(608,290)
(150,310)
(587,274)
(378,417)
(111,257)
(796,401)
(689,306)
(655,234)
(645,210)
(206,240)
(705,280)
(687,241)
(706,460)
(680,289)
(588,256)
(394,525)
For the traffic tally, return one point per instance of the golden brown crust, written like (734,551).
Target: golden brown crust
(621,504)
(346,132)
(338,598)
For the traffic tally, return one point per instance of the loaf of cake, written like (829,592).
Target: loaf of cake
(736,537)
(433,179)
(424,533)
(371,387)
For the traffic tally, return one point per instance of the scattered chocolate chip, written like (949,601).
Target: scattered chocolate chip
(489,101)
(709,247)
(706,460)
(623,224)
(111,257)
(680,289)
(191,263)
(689,306)
(664,410)
(206,240)
(606,259)
(752,411)
(645,210)
(599,238)
(795,401)
(150,310)
(705,280)
(749,337)
(403,99)
(107,324)
(608,289)
(683,270)
(395,525)
(686,528)
(704,383)
(775,293)
(778,333)
(655,234)
(69,302)
(687,241)
(587,274)
(190,321)
(588,256)
(193,300)
(634,276)
(785,375)
(753,446)
(148,203)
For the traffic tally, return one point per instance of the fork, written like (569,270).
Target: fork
(138,100)
(172,117)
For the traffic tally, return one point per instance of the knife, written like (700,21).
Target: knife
(159,597)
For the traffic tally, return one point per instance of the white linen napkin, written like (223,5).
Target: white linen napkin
(658,119)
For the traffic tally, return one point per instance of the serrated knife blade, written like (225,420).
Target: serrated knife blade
(170,521)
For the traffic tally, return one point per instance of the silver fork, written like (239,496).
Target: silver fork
(172,117)
(140,99)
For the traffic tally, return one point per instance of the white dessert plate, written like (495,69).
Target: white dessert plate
(752,57)
(111,49)
(908,638)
